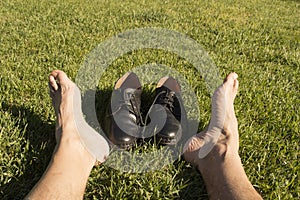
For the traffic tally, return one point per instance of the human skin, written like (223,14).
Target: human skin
(221,168)
(71,163)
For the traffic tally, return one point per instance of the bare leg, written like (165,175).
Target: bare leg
(71,163)
(221,168)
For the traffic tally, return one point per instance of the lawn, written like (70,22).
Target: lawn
(259,39)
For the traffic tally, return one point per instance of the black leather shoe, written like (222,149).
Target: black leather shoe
(122,125)
(167,111)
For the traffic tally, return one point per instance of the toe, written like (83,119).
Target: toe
(231,78)
(232,75)
(231,83)
(236,85)
(60,77)
(191,149)
(52,84)
(193,144)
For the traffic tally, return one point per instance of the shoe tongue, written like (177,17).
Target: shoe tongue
(121,96)
(128,92)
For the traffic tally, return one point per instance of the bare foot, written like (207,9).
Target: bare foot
(78,145)
(219,138)
(215,151)
(71,128)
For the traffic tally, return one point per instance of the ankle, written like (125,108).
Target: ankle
(221,155)
(70,149)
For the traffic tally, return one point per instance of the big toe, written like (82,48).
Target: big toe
(231,84)
(231,81)
(231,77)
(52,83)
(59,77)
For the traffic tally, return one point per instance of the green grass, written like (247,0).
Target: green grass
(260,40)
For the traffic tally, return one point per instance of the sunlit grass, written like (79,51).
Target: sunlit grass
(257,39)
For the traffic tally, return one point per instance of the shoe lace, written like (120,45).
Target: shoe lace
(132,100)
(166,99)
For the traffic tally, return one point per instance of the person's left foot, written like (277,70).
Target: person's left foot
(221,136)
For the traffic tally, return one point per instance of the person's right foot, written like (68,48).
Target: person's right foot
(73,134)
(222,134)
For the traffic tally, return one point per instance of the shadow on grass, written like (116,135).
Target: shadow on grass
(98,100)
(195,188)
(40,136)
(39,133)
(297,1)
